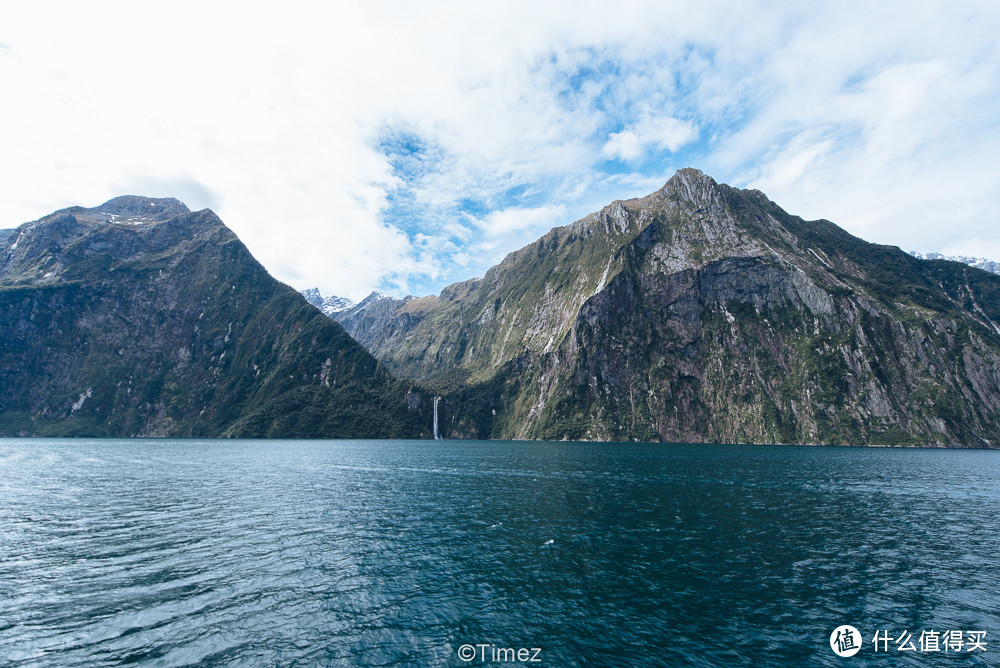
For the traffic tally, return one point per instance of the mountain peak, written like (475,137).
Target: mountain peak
(329,305)
(39,250)
(147,207)
(313,296)
(691,173)
(375,296)
(126,209)
(691,185)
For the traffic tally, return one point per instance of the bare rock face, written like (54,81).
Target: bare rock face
(142,318)
(705,313)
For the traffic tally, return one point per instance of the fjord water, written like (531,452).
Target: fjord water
(397,553)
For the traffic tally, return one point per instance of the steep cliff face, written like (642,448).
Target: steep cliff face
(528,302)
(141,318)
(706,313)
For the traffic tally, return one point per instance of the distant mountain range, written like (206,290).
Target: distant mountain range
(977,262)
(142,318)
(698,313)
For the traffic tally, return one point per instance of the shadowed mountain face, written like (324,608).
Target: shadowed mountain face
(705,313)
(142,318)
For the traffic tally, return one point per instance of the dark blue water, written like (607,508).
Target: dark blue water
(384,553)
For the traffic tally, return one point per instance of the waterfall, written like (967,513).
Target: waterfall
(436,434)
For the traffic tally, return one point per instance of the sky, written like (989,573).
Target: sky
(408,145)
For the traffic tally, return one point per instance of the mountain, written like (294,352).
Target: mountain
(704,313)
(142,318)
(313,296)
(328,305)
(977,262)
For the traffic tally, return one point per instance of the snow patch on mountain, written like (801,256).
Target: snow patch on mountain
(328,305)
(977,262)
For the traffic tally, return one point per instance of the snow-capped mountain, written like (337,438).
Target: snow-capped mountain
(978,262)
(328,305)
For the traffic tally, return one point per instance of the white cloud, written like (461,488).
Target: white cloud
(786,169)
(662,133)
(624,145)
(903,157)
(515,219)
